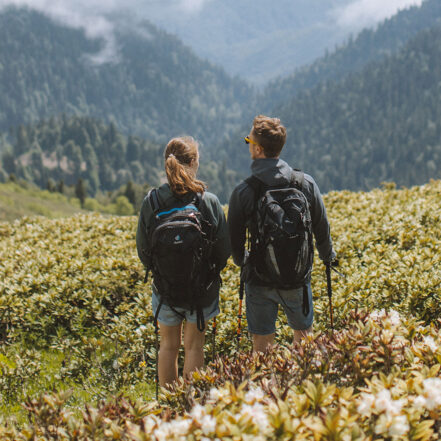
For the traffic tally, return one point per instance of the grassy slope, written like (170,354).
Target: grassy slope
(16,202)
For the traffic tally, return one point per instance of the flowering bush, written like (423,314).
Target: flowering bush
(73,289)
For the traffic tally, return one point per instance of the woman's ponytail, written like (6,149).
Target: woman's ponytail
(179,154)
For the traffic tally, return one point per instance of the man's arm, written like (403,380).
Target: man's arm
(320,224)
(221,249)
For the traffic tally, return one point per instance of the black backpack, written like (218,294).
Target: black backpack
(282,248)
(181,240)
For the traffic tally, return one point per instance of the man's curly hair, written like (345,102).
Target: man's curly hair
(270,134)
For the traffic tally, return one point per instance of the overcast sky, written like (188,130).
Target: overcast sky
(362,13)
(365,12)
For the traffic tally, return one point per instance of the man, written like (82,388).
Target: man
(266,140)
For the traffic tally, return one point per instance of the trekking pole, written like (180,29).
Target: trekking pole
(239,315)
(328,279)
(213,337)
(157,358)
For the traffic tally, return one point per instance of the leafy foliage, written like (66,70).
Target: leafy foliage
(75,288)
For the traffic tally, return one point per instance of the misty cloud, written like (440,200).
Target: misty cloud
(192,5)
(92,16)
(362,13)
(81,14)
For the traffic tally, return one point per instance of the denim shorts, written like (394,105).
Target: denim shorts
(173,317)
(262,305)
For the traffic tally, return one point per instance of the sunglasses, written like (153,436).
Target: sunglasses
(249,141)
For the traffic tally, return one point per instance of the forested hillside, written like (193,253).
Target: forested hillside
(152,86)
(382,124)
(369,45)
(68,149)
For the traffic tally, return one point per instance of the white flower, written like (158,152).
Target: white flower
(170,430)
(162,433)
(385,403)
(208,424)
(432,390)
(394,317)
(150,422)
(391,316)
(430,343)
(215,394)
(419,402)
(197,412)
(257,414)
(375,315)
(141,330)
(180,427)
(399,426)
(365,406)
(255,394)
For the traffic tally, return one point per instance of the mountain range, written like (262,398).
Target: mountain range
(254,39)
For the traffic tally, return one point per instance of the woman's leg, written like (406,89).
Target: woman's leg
(168,353)
(194,348)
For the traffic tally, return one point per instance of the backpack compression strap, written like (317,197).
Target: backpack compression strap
(298,179)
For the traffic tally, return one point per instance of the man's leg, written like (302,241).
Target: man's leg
(262,343)
(292,302)
(261,312)
(194,348)
(168,353)
(298,335)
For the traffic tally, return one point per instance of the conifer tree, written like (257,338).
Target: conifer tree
(81,191)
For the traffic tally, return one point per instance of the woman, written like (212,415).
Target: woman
(181,165)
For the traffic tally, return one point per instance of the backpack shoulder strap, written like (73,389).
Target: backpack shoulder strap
(154,200)
(253,182)
(197,200)
(298,179)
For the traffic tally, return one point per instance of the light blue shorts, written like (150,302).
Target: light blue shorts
(173,317)
(262,305)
